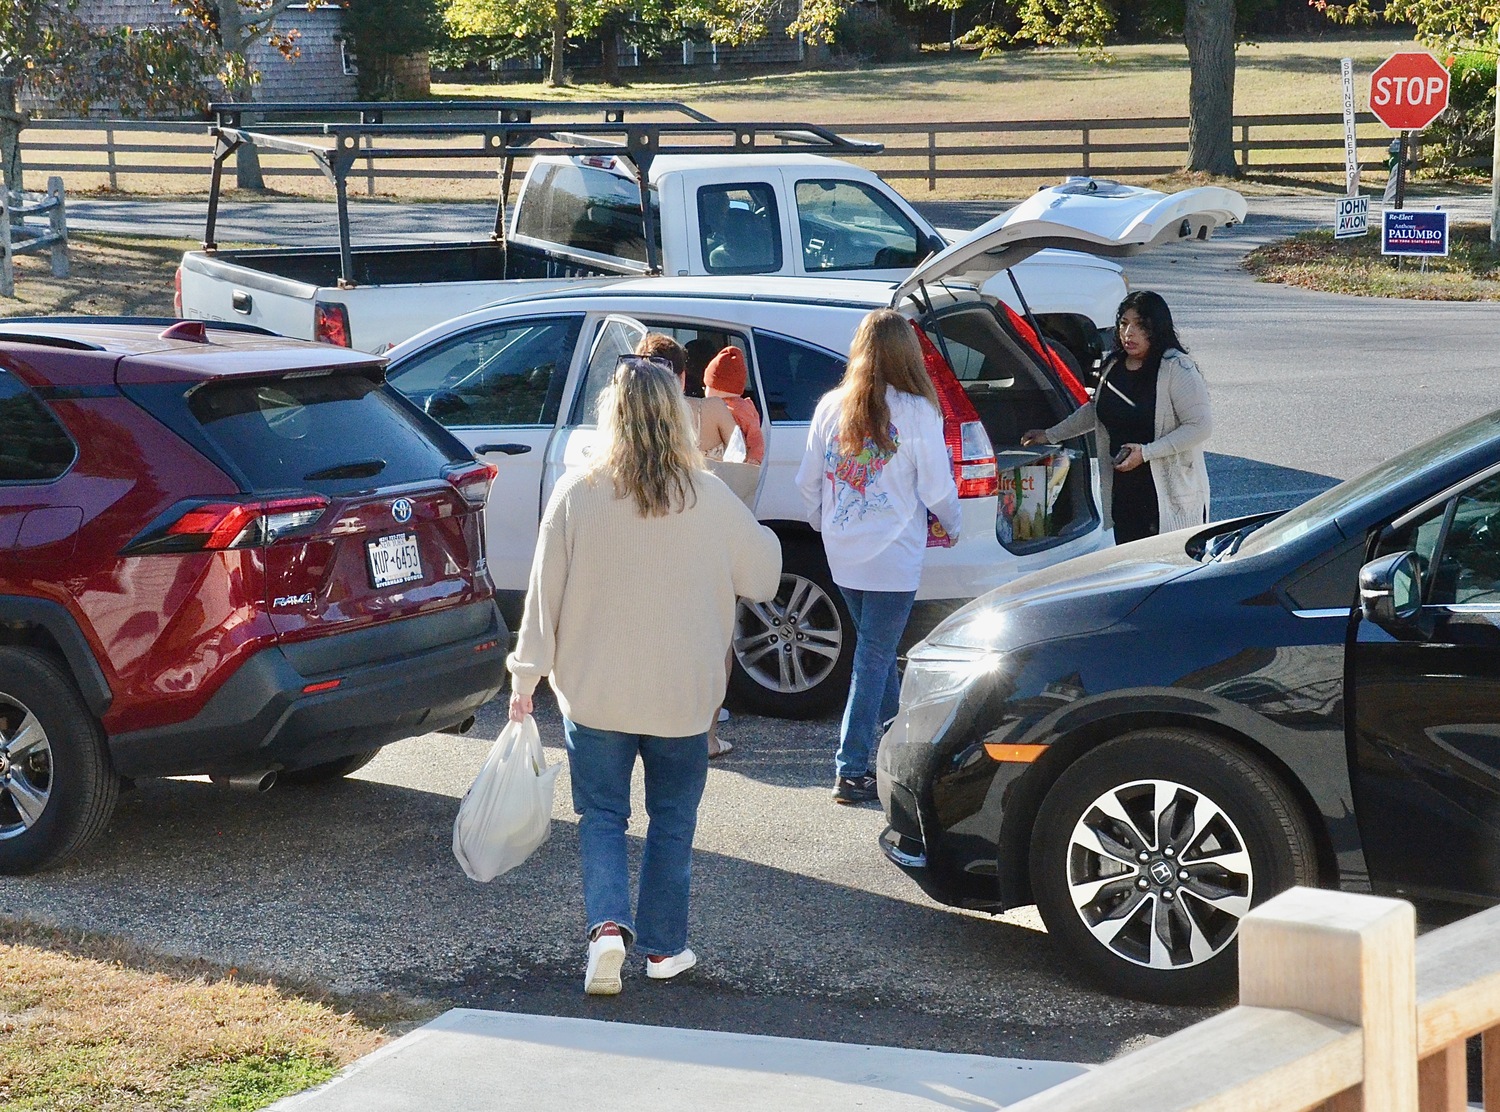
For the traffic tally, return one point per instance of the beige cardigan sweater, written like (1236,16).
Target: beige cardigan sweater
(631,616)
(1184,420)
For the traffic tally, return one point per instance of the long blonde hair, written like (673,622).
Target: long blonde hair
(647,448)
(885,352)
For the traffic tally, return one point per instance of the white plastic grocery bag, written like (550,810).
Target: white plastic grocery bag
(507,812)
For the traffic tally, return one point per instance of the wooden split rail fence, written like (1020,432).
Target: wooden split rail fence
(18,236)
(123,154)
(1341,1009)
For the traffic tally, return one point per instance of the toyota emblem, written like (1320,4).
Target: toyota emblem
(401,510)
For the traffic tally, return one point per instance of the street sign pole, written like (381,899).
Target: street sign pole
(1495,168)
(1401,170)
(1351,157)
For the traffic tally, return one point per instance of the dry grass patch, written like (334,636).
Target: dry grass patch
(88,1023)
(1146,79)
(1316,261)
(110,276)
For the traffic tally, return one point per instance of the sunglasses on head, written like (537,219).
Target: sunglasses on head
(643,363)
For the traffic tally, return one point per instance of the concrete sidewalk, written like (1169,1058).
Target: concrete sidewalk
(467,1060)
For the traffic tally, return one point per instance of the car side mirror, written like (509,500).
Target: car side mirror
(1390,590)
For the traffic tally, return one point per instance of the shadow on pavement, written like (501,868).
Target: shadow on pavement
(1246,486)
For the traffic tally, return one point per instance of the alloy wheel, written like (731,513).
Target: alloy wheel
(1159,874)
(792,642)
(25,768)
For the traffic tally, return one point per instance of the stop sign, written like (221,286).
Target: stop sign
(1408,91)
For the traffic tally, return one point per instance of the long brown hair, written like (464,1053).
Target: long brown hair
(648,450)
(885,352)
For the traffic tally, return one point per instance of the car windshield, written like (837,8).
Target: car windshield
(1349,497)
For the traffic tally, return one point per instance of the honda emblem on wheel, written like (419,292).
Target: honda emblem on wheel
(401,510)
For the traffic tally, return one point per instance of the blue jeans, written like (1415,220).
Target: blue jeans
(875,689)
(601,763)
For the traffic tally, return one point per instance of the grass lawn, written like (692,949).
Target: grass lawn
(1316,261)
(89,1024)
(1141,80)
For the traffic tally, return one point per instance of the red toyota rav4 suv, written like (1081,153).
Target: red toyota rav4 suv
(221,553)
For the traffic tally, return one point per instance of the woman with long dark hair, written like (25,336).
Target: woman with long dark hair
(1151,415)
(876,464)
(638,676)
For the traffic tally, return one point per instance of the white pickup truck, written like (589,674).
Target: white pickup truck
(746,208)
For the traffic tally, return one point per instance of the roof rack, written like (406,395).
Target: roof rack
(510,130)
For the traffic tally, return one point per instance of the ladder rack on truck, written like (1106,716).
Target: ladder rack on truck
(510,130)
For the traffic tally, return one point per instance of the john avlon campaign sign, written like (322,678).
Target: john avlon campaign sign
(1414,232)
(1351,218)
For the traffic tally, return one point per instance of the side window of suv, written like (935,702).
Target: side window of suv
(506,374)
(794,376)
(35,448)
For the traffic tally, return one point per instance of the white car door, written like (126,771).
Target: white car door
(498,387)
(613,335)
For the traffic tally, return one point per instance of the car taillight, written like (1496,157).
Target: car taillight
(217,526)
(331,323)
(1050,356)
(472,480)
(177,292)
(969,447)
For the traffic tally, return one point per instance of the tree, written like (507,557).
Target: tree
(47,49)
(1444,25)
(530,23)
(1209,29)
(385,30)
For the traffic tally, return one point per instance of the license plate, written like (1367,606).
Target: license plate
(394,560)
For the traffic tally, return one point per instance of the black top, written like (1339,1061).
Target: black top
(1125,403)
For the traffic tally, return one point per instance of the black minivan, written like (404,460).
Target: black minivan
(1148,741)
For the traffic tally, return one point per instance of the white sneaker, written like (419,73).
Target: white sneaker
(606,956)
(668,968)
(723,714)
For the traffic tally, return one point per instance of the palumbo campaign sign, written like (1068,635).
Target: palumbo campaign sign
(1414,232)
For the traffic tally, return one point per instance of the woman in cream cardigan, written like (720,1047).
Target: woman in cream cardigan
(629,612)
(1151,415)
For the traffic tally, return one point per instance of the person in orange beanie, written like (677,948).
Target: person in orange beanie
(725,377)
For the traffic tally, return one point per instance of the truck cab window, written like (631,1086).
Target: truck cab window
(739,229)
(847,225)
(586,208)
(508,374)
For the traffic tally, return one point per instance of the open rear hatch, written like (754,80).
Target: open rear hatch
(1095,217)
(1009,382)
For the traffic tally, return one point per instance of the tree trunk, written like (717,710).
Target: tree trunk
(12,120)
(247,174)
(558,76)
(610,56)
(1209,34)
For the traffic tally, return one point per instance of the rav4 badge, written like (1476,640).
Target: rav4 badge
(292,600)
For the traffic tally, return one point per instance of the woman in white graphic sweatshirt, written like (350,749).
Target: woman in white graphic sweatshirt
(876,464)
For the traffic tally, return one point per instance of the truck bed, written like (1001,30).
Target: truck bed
(405,264)
(399,289)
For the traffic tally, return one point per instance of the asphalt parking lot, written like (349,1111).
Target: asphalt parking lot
(802,926)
